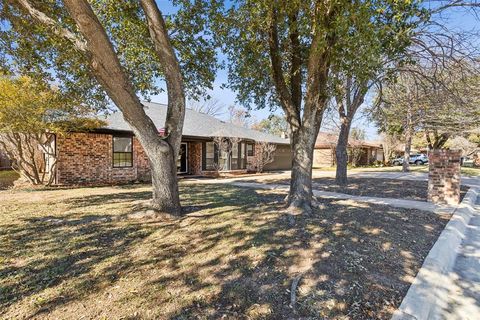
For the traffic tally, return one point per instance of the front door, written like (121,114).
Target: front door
(182,159)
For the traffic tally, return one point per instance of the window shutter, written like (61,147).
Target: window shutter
(215,154)
(204,156)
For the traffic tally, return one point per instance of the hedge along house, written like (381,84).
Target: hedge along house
(112,154)
(325,147)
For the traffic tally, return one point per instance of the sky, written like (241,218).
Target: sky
(457,19)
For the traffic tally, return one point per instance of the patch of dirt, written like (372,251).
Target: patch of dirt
(233,255)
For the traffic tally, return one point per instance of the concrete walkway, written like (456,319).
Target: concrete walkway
(400,203)
(464,293)
(416,176)
(394,202)
(419,176)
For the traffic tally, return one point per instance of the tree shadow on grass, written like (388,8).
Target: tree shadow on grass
(353,261)
(87,249)
(70,250)
(235,258)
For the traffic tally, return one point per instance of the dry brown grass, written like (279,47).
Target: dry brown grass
(7,178)
(75,253)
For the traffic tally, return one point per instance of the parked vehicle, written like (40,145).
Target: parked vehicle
(467,162)
(417,159)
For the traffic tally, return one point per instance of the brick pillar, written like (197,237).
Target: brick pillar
(444,177)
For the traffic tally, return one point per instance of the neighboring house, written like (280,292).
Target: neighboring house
(325,145)
(112,154)
(5,163)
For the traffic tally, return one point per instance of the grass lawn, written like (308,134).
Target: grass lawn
(233,255)
(7,177)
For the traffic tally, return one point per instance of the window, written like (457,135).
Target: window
(209,156)
(122,152)
(233,158)
(250,150)
(243,162)
(235,163)
(223,163)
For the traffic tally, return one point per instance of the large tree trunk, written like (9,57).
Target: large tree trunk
(303,140)
(342,155)
(106,67)
(408,148)
(304,122)
(165,184)
(408,141)
(299,199)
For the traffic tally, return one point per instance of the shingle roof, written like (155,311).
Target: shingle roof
(328,140)
(196,125)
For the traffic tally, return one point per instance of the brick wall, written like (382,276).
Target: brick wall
(323,157)
(195,158)
(86,158)
(444,177)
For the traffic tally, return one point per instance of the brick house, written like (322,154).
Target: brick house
(112,154)
(325,146)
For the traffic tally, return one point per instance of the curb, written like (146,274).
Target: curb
(429,291)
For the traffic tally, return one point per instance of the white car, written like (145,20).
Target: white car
(417,159)
(467,162)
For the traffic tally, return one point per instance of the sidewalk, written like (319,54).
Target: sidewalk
(467,181)
(447,284)
(418,176)
(464,294)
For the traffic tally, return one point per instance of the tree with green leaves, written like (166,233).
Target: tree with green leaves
(30,114)
(367,56)
(105,51)
(281,54)
(274,124)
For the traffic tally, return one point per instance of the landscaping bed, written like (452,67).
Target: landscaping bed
(233,255)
